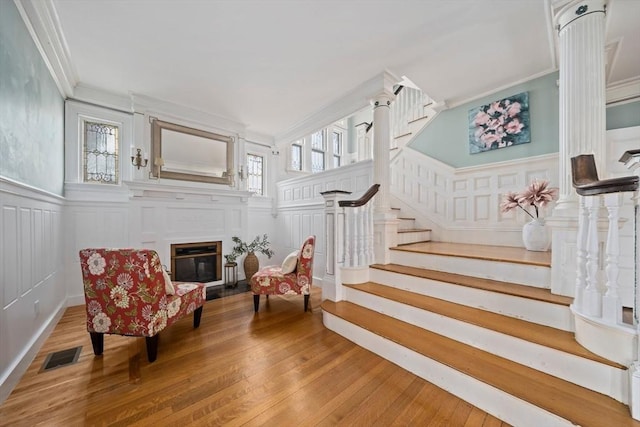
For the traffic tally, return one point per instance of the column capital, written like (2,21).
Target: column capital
(383,99)
(578,9)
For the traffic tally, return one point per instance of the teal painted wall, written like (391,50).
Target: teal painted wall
(31,109)
(623,116)
(446,138)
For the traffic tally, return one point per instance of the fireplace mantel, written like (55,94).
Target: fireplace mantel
(162,191)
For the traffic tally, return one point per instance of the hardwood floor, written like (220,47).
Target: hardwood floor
(280,367)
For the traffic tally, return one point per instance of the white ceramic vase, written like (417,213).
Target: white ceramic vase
(536,236)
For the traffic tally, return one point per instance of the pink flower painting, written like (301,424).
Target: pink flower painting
(499,124)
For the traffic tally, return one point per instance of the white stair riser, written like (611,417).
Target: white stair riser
(522,274)
(490,399)
(583,372)
(543,313)
(406,224)
(413,237)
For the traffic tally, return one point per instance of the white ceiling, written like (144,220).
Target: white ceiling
(269,64)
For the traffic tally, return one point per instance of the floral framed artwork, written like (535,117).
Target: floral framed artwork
(500,124)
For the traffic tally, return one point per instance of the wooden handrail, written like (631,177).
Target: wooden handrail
(362,200)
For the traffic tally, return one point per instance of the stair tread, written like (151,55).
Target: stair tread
(413,230)
(514,289)
(567,400)
(406,218)
(528,331)
(484,252)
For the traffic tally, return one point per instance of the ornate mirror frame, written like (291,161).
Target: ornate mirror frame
(188,154)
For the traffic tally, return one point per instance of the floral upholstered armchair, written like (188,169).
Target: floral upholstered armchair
(292,277)
(127,292)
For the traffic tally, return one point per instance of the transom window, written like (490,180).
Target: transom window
(255,177)
(100,153)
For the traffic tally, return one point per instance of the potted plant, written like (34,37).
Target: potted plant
(251,263)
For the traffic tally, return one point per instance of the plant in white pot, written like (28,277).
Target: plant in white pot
(535,235)
(251,263)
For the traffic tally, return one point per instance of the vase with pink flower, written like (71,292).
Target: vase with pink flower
(535,234)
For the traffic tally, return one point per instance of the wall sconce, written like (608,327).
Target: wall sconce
(241,173)
(137,160)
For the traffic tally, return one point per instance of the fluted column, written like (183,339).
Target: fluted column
(381,144)
(581,32)
(581,42)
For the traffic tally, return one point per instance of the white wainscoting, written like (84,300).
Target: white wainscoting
(33,292)
(463,204)
(300,209)
(151,215)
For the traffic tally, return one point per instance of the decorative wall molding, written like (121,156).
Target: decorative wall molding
(41,20)
(623,92)
(31,273)
(463,204)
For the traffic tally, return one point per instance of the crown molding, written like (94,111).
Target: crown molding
(148,105)
(42,22)
(623,92)
(355,100)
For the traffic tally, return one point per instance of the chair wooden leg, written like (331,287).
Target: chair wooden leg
(197,314)
(306,302)
(152,347)
(256,302)
(97,341)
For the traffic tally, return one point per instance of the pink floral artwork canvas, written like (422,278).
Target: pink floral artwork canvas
(499,124)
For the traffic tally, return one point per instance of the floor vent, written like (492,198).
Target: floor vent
(61,358)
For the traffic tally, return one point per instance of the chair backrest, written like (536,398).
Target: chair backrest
(124,291)
(304,270)
(583,170)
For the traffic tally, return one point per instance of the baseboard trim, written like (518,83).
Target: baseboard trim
(20,367)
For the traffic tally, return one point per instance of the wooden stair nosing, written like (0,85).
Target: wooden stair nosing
(513,289)
(574,403)
(529,331)
(414,230)
(485,256)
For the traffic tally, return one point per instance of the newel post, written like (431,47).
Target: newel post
(334,238)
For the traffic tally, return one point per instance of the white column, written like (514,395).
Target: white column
(582,123)
(581,35)
(381,144)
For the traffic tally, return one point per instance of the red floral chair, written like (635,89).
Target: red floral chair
(126,294)
(279,280)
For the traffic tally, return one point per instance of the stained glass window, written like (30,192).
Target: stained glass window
(100,153)
(296,157)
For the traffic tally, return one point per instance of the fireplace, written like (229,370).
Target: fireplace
(196,262)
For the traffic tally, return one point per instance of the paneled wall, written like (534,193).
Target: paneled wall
(154,216)
(301,207)
(463,204)
(33,292)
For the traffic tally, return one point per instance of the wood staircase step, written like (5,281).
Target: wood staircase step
(482,252)
(574,403)
(512,289)
(543,335)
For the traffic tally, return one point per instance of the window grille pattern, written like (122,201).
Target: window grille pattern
(337,148)
(255,177)
(100,153)
(317,151)
(296,157)
(317,161)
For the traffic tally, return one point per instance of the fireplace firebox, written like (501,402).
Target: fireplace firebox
(196,262)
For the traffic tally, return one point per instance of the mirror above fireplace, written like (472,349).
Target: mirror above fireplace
(184,153)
